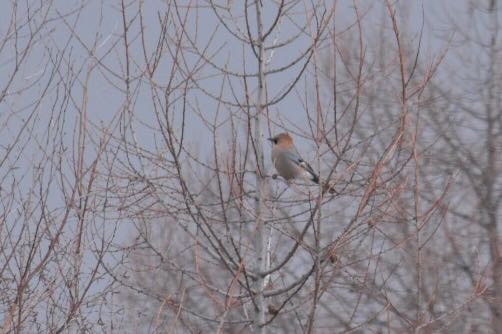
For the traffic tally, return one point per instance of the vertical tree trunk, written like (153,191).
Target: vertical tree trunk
(260,241)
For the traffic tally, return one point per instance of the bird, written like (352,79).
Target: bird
(289,164)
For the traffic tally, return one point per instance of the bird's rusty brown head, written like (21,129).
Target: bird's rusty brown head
(282,138)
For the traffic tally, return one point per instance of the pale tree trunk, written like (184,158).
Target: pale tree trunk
(260,239)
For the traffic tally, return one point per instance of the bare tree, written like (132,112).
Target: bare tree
(52,236)
(264,254)
(136,187)
(466,120)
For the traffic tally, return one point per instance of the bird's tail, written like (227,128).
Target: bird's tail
(314,178)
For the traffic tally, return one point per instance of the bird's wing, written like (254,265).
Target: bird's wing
(297,160)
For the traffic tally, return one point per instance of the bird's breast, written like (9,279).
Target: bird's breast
(284,166)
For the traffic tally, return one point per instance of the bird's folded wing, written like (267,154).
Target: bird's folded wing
(296,159)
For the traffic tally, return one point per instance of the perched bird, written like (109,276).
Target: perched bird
(289,163)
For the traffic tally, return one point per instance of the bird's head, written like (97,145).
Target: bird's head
(282,139)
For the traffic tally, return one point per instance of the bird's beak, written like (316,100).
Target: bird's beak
(270,139)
